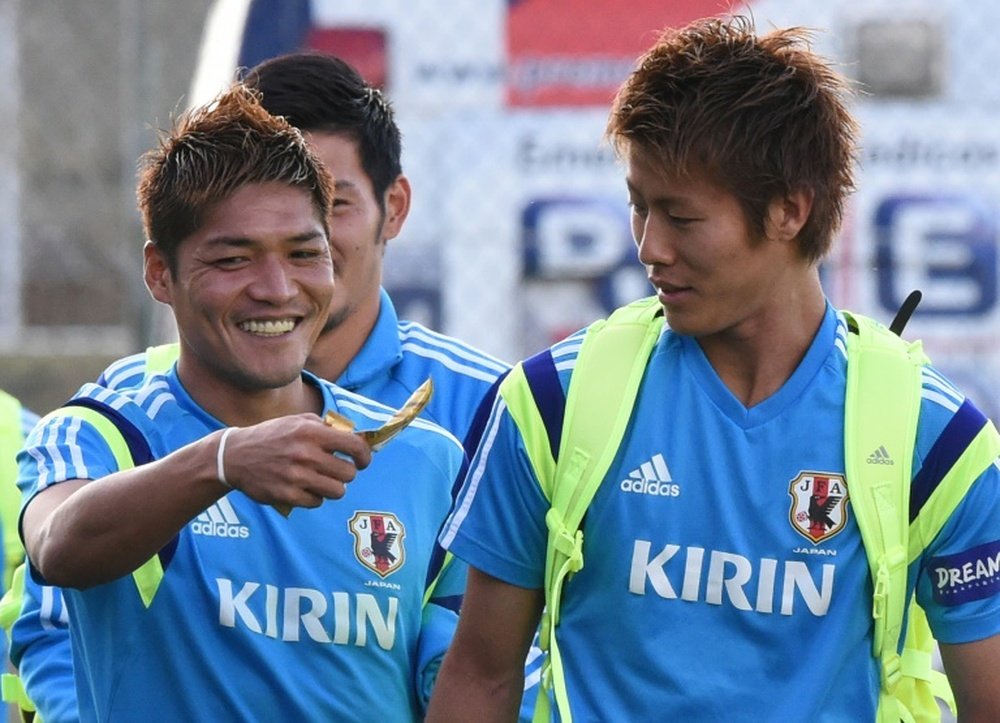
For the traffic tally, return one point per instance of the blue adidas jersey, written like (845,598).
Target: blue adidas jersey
(318,616)
(710,586)
(396,358)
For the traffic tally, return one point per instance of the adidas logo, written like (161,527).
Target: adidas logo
(220,520)
(880,456)
(651,478)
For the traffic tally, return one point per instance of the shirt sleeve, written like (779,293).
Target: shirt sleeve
(498,523)
(62,448)
(958,573)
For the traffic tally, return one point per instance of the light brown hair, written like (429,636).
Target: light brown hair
(215,150)
(760,115)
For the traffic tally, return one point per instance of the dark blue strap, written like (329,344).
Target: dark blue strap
(481,417)
(959,432)
(543,380)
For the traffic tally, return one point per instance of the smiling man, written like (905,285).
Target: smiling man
(364,346)
(190,595)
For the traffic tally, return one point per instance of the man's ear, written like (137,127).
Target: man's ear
(397,207)
(787,214)
(156,271)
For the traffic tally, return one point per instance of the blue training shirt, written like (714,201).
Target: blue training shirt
(710,590)
(396,358)
(259,617)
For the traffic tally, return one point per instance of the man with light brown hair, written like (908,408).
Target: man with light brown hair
(722,573)
(255,563)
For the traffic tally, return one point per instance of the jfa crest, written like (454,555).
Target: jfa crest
(378,541)
(819,505)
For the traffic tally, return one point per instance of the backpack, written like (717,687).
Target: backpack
(882,403)
(11,440)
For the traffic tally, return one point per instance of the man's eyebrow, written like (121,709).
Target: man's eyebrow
(307,236)
(245,241)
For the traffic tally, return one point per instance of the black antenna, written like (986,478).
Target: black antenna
(905,312)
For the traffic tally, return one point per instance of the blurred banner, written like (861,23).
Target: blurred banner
(519,233)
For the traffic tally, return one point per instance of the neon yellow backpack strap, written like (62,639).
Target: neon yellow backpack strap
(11,441)
(448,561)
(599,403)
(161,358)
(11,686)
(10,603)
(12,691)
(883,404)
(149,576)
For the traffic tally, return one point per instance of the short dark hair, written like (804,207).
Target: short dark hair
(762,115)
(322,93)
(211,152)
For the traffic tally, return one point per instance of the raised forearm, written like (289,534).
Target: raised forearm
(82,533)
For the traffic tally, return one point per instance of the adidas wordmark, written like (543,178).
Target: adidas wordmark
(880,456)
(651,478)
(220,520)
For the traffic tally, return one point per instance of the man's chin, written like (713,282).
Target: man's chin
(267,374)
(335,319)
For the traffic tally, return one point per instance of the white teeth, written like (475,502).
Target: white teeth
(268,328)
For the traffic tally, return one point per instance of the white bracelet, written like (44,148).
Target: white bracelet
(220,467)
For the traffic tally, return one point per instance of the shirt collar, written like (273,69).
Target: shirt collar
(382,349)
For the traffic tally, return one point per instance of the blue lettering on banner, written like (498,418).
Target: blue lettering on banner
(587,238)
(973,574)
(942,245)
(575,237)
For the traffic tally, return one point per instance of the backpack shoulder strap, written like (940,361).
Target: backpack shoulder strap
(147,577)
(599,403)
(160,358)
(880,426)
(11,686)
(11,441)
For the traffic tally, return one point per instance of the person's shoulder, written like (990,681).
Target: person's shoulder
(150,399)
(949,420)
(454,355)
(87,436)
(942,400)
(565,352)
(124,373)
(133,371)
